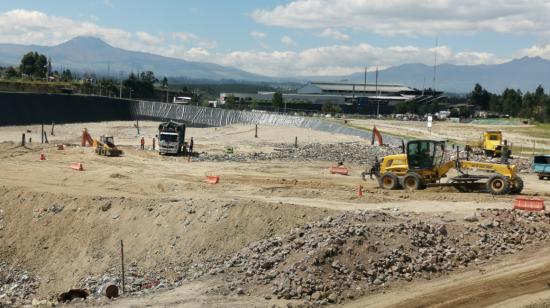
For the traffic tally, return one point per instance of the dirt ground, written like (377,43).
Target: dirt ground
(166,214)
(524,138)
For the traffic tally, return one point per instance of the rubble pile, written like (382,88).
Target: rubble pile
(351,152)
(137,281)
(342,257)
(16,286)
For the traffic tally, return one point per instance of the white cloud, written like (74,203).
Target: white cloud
(412,17)
(287,40)
(197,54)
(34,27)
(258,35)
(194,39)
(149,39)
(542,50)
(259,38)
(335,34)
(184,36)
(345,59)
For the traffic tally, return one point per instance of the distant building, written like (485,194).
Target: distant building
(368,98)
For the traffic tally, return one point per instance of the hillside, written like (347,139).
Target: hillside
(94,55)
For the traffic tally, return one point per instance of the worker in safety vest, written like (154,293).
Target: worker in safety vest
(143,143)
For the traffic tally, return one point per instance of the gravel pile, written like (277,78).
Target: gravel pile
(350,152)
(337,258)
(16,286)
(343,257)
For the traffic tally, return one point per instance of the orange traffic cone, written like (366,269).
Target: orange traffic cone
(360,191)
(77,166)
(42,156)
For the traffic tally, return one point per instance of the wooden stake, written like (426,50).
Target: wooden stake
(256,133)
(23,140)
(122,263)
(296,141)
(42,133)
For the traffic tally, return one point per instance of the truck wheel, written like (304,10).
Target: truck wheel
(517,185)
(388,181)
(541,177)
(498,185)
(413,181)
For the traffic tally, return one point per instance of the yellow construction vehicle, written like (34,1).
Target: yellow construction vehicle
(106,146)
(422,166)
(492,145)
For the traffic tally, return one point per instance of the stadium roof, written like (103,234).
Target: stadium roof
(349,87)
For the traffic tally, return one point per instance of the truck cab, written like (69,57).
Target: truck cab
(541,166)
(171,138)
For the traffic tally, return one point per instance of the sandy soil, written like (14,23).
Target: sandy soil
(463,133)
(166,214)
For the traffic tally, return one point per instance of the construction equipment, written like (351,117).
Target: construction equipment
(171,138)
(541,166)
(492,145)
(422,166)
(106,146)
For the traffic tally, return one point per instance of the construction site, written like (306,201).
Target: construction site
(270,212)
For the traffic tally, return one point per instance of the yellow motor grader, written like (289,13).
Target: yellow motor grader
(423,166)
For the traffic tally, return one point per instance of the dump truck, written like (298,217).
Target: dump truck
(423,166)
(171,138)
(541,166)
(106,146)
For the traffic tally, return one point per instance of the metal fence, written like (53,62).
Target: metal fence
(205,116)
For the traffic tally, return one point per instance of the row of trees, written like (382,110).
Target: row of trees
(533,105)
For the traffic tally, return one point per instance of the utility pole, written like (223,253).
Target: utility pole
(435,63)
(365,89)
(377,98)
(120,86)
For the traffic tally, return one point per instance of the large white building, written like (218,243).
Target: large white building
(388,92)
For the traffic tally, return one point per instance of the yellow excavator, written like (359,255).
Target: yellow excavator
(104,146)
(423,166)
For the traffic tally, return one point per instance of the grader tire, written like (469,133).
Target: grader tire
(498,185)
(413,181)
(389,181)
(517,185)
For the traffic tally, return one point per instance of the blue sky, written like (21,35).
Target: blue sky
(293,37)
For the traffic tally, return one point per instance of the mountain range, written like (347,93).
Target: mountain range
(89,54)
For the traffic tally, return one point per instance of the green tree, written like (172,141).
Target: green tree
(34,64)
(164,82)
(511,102)
(142,85)
(401,108)
(11,72)
(480,97)
(67,75)
(254,104)
(230,102)
(277,101)
(330,108)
